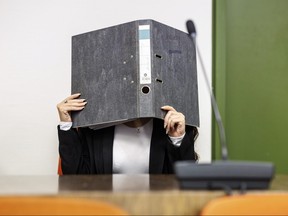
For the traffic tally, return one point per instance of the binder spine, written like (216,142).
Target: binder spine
(145,91)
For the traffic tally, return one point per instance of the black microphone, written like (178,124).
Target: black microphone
(191,28)
(222,174)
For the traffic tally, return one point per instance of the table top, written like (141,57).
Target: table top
(42,184)
(134,193)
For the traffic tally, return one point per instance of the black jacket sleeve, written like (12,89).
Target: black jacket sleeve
(163,154)
(186,150)
(73,152)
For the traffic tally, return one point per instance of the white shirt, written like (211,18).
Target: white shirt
(131,148)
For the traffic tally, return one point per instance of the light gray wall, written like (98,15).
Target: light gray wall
(35,67)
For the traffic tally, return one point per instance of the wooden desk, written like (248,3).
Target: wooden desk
(137,194)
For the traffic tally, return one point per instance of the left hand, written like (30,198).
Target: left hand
(174,122)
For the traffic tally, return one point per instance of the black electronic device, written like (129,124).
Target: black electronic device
(225,174)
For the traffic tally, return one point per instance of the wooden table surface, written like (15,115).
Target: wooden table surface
(137,194)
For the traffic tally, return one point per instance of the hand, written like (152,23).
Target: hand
(174,122)
(71,103)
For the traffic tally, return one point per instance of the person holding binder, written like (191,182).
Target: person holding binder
(146,145)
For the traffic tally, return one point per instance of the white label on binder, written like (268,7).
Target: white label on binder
(144,54)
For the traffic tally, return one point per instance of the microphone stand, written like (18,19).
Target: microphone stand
(213,102)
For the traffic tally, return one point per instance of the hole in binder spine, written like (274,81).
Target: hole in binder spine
(158,56)
(159,80)
(145,89)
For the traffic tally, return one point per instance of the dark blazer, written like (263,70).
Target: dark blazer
(87,151)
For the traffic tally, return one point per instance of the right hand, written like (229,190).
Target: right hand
(71,103)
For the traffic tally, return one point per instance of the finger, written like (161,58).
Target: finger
(72,106)
(74,96)
(75,101)
(68,110)
(167,117)
(175,121)
(170,119)
(71,97)
(67,107)
(168,108)
(77,108)
(169,114)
